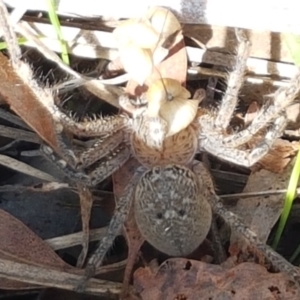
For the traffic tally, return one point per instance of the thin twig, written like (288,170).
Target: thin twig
(256,194)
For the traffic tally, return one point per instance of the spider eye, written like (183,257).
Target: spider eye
(159,215)
(181,212)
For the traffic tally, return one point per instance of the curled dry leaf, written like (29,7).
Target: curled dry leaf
(144,43)
(279,156)
(189,279)
(168,99)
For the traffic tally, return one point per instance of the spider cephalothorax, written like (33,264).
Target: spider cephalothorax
(172,196)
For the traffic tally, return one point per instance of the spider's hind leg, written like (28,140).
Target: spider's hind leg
(237,225)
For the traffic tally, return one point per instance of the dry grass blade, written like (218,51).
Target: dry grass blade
(19,134)
(86,203)
(19,166)
(44,187)
(51,278)
(108,93)
(75,239)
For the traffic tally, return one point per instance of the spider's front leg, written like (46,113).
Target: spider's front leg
(216,144)
(235,82)
(236,224)
(271,118)
(91,127)
(104,156)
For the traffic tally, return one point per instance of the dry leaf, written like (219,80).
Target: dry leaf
(20,244)
(261,213)
(193,280)
(24,102)
(278,157)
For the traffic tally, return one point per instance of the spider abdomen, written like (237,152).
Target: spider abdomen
(170,211)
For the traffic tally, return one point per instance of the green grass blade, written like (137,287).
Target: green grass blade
(55,23)
(295,254)
(293,43)
(21,41)
(290,196)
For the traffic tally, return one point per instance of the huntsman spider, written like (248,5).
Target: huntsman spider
(172,195)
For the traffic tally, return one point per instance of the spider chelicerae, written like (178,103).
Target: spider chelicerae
(173,196)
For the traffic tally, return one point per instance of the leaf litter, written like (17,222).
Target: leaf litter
(180,278)
(177,278)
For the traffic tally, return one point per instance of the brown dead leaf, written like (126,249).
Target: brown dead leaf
(261,213)
(23,101)
(278,157)
(179,278)
(133,236)
(20,244)
(86,203)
